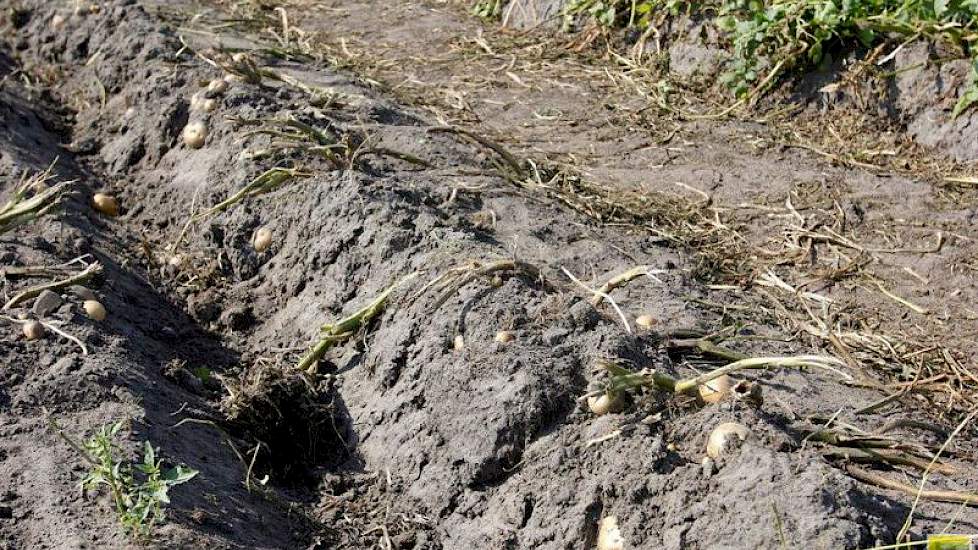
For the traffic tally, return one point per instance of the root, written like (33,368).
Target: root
(290,414)
(598,440)
(67,336)
(599,295)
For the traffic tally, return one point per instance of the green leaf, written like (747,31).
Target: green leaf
(867,37)
(940,7)
(179,475)
(967,99)
(149,455)
(949,542)
(203,373)
(726,23)
(114,429)
(162,495)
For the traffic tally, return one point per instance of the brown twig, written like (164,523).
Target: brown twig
(960,497)
(888,456)
(466,274)
(622,279)
(514,164)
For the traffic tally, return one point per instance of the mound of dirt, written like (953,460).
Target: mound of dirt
(418,428)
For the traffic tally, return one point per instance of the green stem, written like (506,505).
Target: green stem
(707,347)
(343,330)
(623,380)
(308,360)
(814,361)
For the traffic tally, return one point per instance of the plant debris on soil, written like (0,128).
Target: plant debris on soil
(388,275)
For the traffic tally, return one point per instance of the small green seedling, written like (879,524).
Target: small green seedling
(203,373)
(769,39)
(139,490)
(970,94)
(488,9)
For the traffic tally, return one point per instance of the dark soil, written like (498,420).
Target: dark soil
(400,438)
